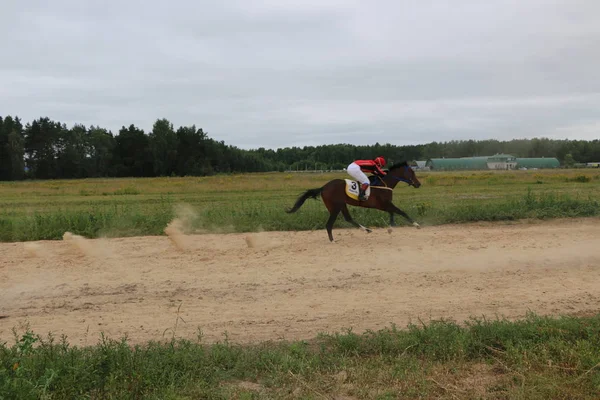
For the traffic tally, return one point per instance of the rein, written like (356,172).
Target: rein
(401,179)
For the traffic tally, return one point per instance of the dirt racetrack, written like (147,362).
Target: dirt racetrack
(286,285)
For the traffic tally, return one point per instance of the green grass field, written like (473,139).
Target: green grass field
(241,203)
(536,358)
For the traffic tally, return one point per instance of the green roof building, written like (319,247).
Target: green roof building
(501,158)
(539,163)
(495,162)
(457,164)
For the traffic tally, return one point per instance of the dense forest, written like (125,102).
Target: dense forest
(47,149)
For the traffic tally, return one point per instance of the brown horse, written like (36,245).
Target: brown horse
(333,194)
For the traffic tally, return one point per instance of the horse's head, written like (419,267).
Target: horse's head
(403,172)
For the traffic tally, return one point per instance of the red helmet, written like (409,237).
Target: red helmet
(381,161)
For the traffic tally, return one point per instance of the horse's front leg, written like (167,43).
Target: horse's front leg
(392,222)
(392,209)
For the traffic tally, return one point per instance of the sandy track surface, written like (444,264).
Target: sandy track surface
(286,285)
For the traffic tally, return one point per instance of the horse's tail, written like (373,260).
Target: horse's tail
(312,193)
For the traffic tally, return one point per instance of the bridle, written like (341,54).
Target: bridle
(400,179)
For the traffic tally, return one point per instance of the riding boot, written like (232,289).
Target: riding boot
(362,192)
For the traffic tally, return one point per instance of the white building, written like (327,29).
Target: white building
(502,162)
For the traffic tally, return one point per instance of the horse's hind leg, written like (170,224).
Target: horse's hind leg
(334,209)
(333,214)
(349,219)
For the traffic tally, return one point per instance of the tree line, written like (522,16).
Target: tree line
(47,149)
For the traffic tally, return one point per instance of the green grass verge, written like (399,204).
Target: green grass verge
(534,358)
(118,220)
(126,207)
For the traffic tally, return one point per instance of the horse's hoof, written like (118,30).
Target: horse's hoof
(416,225)
(390,230)
(368,230)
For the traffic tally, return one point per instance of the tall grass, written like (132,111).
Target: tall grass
(99,220)
(528,205)
(241,203)
(535,358)
(111,220)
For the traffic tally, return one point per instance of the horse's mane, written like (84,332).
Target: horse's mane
(399,165)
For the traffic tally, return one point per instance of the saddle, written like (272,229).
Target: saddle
(375,180)
(353,187)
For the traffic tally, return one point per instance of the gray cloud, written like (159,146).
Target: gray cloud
(271,73)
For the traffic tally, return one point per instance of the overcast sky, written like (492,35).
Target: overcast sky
(280,73)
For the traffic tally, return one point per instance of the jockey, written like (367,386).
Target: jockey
(356,169)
